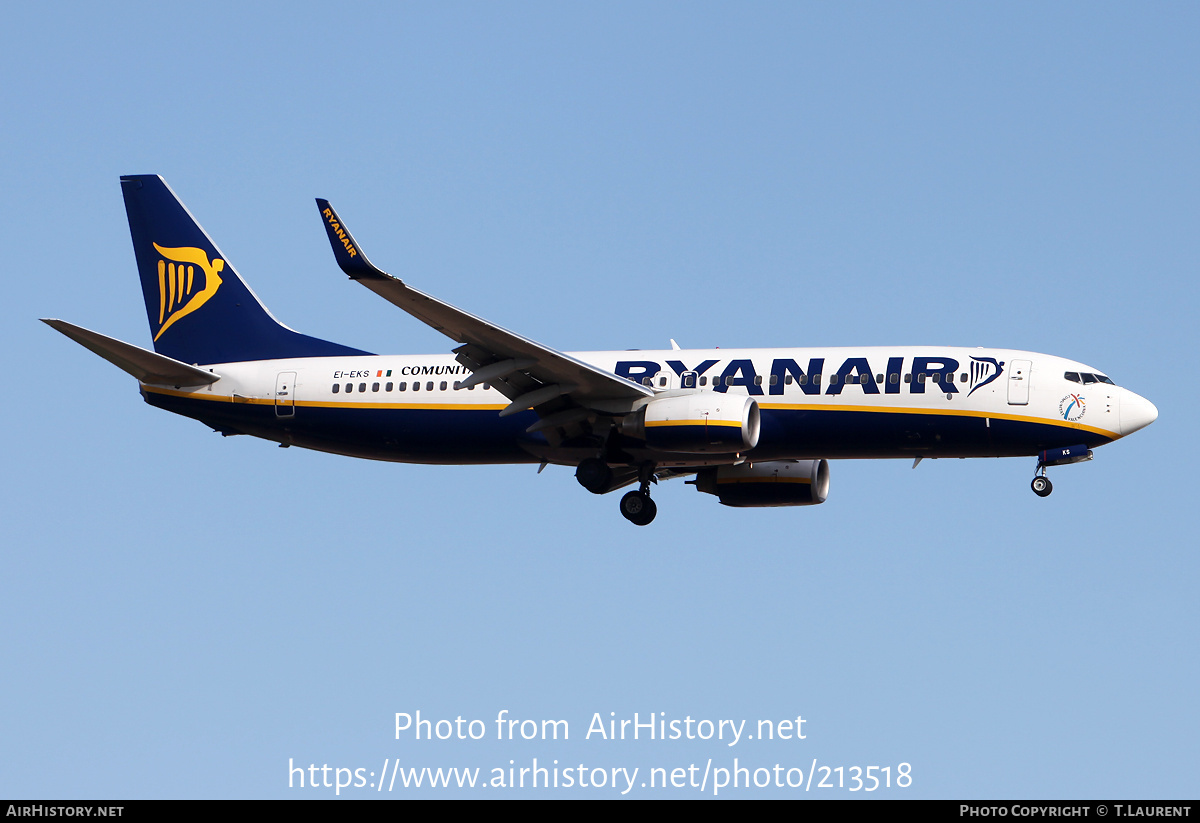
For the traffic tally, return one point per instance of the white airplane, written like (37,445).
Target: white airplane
(754,426)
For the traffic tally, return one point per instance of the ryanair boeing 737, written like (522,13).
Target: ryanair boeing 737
(754,427)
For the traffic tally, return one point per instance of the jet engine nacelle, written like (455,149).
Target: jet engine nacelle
(773,483)
(696,423)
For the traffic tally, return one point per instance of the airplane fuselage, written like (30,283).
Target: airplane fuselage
(877,402)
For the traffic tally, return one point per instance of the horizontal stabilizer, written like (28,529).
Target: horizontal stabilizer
(146,366)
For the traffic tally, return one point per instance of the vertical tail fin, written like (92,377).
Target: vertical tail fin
(200,310)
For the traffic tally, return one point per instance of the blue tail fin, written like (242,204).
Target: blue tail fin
(200,310)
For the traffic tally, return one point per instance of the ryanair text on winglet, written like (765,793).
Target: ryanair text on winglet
(337,228)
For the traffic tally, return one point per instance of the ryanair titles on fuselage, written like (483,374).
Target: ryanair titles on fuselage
(914,373)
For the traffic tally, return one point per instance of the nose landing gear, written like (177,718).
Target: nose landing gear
(1041,485)
(1059,456)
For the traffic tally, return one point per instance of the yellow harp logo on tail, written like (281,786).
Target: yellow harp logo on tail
(186,280)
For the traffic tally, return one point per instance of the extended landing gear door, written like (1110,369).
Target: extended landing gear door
(285,394)
(1018,382)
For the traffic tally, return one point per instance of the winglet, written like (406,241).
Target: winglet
(349,254)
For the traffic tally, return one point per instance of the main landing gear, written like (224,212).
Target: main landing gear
(1041,484)
(637,507)
(596,476)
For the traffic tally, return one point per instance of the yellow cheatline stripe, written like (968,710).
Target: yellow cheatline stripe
(950,412)
(269,401)
(319,404)
(765,479)
(732,423)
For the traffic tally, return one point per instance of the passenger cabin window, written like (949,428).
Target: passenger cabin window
(388,387)
(374,387)
(429,386)
(402,386)
(443,385)
(337,387)
(703,381)
(349,388)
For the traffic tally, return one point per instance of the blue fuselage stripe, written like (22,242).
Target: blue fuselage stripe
(480,435)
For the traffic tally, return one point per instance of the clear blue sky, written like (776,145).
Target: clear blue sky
(181,614)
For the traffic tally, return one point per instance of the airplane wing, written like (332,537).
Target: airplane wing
(561,389)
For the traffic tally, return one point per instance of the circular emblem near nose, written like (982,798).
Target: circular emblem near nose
(1072,407)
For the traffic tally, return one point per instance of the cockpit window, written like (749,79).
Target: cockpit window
(1087,379)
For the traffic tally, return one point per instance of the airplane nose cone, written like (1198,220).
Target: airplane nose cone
(1136,413)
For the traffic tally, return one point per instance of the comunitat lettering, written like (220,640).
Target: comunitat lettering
(751,427)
